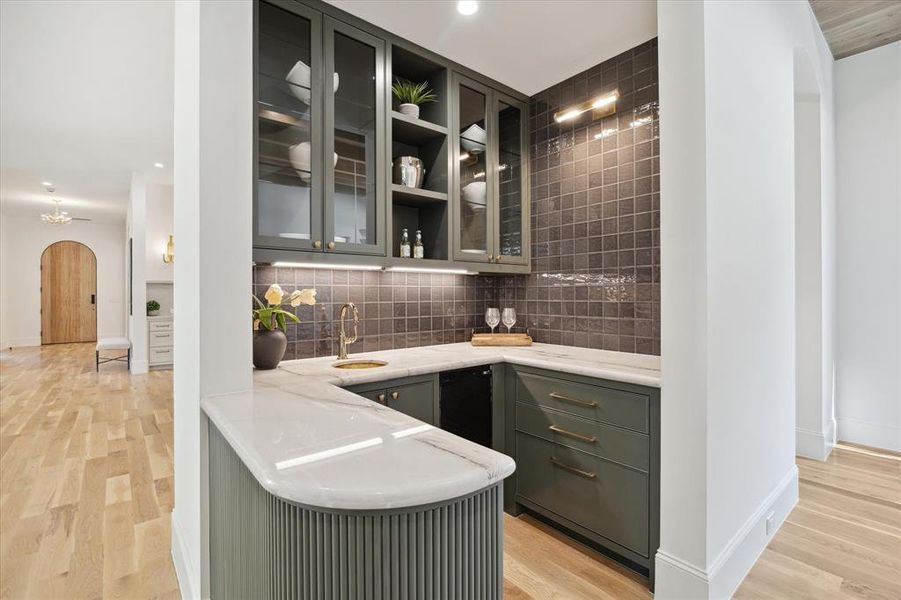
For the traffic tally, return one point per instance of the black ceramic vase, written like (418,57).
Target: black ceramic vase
(268,348)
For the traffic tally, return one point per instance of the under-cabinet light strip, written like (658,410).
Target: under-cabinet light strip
(303,265)
(430,270)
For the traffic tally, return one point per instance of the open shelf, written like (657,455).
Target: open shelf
(402,194)
(414,132)
(411,66)
(430,219)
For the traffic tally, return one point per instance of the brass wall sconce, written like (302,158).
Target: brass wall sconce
(603,106)
(169,254)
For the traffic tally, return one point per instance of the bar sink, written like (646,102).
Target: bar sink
(359,364)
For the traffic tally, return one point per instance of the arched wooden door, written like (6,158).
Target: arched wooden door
(68,293)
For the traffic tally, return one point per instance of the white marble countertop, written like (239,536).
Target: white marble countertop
(308,441)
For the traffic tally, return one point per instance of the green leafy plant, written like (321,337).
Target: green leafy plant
(152,305)
(408,92)
(271,316)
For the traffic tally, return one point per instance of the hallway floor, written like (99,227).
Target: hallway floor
(86,492)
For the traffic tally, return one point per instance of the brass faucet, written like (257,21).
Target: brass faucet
(343,340)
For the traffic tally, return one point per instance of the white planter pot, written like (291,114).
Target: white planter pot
(411,110)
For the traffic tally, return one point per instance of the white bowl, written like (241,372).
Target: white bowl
(475,194)
(475,138)
(299,156)
(299,78)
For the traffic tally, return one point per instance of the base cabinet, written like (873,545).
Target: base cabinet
(587,455)
(414,396)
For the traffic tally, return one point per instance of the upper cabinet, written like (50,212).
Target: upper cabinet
(345,167)
(490,176)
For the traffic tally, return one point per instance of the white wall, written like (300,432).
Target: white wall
(213,191)
(728,301)
(158,229)
(137,230)
(868,141)
(24,239)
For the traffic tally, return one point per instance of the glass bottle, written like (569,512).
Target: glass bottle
(418,249)
(404,244)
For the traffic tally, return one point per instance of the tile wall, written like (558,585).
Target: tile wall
(595,229)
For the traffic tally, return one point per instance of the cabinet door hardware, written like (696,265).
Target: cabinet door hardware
(331,245)
(575,436)
(317,244)
(395,395)
(380,398)
(565,467)
(575,401)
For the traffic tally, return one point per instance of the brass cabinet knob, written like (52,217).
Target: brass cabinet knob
(490,258)
(331,245)
(395,395)
(317,244)
(497,258)
(380,398)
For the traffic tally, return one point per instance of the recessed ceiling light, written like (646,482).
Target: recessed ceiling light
(467,7)
(158,165)
(46,184)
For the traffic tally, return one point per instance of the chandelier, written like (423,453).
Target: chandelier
(57,216)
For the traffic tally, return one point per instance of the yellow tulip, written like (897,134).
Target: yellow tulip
(299,297)
(274,295)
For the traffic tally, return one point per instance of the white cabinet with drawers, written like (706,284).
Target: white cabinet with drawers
(159,341)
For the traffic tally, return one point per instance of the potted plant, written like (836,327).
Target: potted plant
(270,322)
(153,308)
(411,95)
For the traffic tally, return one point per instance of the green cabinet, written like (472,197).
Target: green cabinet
(413,396)
(490,175)
(320,141)
(587,457)
(329,132)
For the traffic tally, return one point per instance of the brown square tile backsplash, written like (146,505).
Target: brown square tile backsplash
(595,227)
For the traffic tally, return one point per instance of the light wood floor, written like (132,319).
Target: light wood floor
(86,495)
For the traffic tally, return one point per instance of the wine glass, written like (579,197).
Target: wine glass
(492,318)
(509,318)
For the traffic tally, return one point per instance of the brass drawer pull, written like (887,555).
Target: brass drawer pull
(563,398)
(575,436)
(574,470)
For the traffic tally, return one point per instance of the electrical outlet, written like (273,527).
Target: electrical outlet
(770,523)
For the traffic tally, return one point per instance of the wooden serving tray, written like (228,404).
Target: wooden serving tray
(501,339)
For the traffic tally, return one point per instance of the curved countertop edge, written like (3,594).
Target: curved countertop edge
(256,423)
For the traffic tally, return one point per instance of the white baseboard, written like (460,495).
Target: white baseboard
(812,444)
(22,342)
(188,588)
(868,433)
(679,580)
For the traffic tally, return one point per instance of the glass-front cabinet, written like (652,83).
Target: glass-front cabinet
(491,214)
(343,165)
(288,208)
(304,200)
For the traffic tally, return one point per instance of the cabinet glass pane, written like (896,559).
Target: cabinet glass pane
(354,199)
(284,124)
(473,188)
(510,179)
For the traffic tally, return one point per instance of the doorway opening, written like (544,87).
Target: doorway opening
(814,430)
(68,293)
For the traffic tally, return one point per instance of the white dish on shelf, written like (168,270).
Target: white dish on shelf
(475,194)
(299,78)
(294,236)
(299,155)
(473,138)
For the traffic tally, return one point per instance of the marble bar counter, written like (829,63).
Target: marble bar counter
(315,488)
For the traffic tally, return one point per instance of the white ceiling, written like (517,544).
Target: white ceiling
(85,100)
(527,44)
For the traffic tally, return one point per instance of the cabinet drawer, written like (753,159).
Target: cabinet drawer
(606,498)
(160,339)
(160,356)
(159,326)
(617,407)
(619,445)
